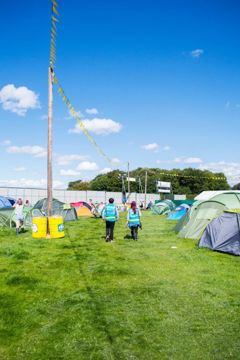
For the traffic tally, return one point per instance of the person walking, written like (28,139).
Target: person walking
(19,214)
(110,215)
(133,219)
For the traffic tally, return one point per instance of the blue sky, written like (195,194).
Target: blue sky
(157,84)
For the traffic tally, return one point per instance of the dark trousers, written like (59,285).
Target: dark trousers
(109,230)
(134,232)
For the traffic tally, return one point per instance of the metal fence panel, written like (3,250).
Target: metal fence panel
(67,196)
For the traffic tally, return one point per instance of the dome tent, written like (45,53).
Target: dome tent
(58,208)
(200,217)
(4,202)
(229,200)
(163,207)
(178,212)
(82,208)
(223,234)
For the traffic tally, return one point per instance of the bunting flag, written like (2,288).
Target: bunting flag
(53,37)
(75,115)
(193,176)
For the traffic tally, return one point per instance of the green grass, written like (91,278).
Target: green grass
(82,298)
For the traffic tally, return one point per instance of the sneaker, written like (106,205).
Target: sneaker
(107,238)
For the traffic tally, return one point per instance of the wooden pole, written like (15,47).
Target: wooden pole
(145,202)
(49,155)
(128,181)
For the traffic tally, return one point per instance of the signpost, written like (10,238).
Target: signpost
(164,187)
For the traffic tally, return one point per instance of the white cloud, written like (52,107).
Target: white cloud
(98,126)
(181,160)
(166,148)
(115,161)
(20,168)
(69,172)
(196,53)
(92,111)
(105,170)
(188,160)
(231,170)
(41,183)
(150,147)
(5,143)
(36,151)
(87,166)
(18,100)
(67,159)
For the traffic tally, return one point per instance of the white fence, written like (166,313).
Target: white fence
(68,196)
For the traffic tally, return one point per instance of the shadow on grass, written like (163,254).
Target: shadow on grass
(128,237)
(99,319)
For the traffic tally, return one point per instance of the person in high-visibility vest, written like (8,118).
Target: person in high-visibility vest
(133,220)
(110,215)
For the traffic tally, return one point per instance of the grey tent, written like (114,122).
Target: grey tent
(223,234)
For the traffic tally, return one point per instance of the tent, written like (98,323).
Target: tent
(199,217)
(185,218)
(6,215)
(8,218)
(162,207)
(11,200)
(230,195)
(178,212)
(58,208)
(4,202)
(223,234)
(82,208)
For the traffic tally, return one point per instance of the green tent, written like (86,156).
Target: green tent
(230,199)
(163,207)
(8,218)
(6,215)
(58,208)
(199,217)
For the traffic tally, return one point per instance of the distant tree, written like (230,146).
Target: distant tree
(111,181)
(236,187)
(184,181)
(79,185)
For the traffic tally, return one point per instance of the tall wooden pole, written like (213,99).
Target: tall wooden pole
(49,156)
(145,202)
(128,181)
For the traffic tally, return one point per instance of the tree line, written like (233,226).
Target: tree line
(184,181)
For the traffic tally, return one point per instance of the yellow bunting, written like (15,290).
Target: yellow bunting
(54,25)
(193,176)
(54,19)
(77,118)
(55,10)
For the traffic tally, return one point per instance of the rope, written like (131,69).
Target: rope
(75,115)
(193,176)
(54,20)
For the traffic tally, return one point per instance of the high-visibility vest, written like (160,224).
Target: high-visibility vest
(110,212)
(134,219)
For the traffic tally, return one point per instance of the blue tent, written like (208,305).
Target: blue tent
(178,213)
(223,234)
(4,203)
(12,200)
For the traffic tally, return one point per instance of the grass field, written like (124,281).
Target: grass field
(82,298)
